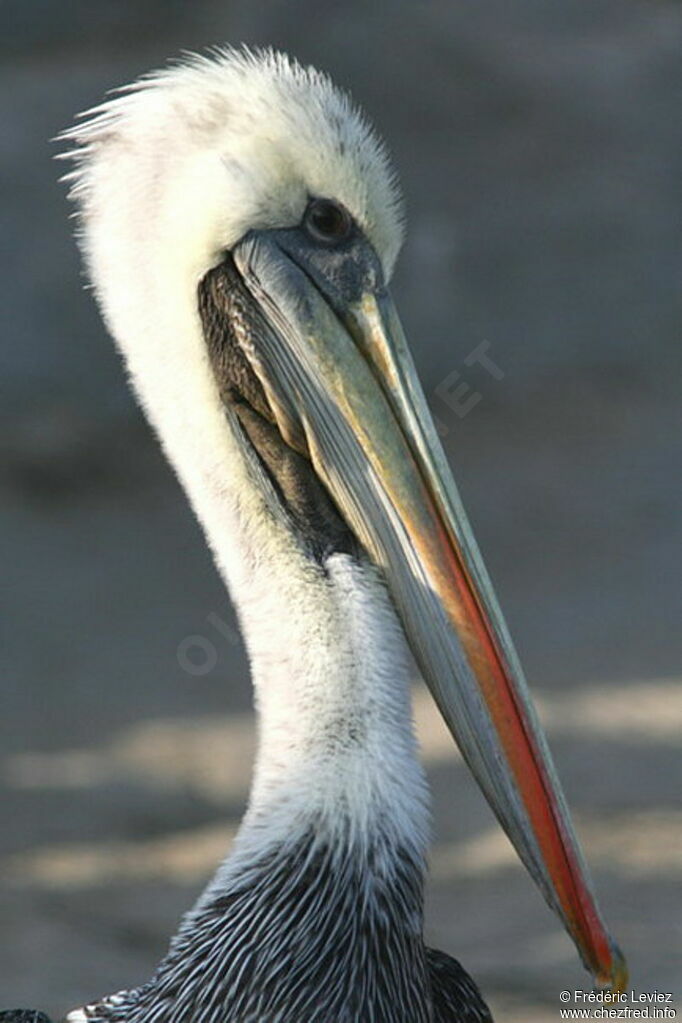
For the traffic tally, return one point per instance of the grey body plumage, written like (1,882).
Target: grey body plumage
(312,933)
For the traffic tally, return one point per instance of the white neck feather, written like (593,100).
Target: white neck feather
(331,674)
(168,177)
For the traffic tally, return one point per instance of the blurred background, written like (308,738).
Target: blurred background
(539,145)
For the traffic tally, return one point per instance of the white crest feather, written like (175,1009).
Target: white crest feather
(273,131)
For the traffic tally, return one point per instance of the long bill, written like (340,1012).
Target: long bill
(343,388)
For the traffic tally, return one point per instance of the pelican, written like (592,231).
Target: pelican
(240,222)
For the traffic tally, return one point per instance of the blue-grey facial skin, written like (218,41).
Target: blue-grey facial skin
(342,271)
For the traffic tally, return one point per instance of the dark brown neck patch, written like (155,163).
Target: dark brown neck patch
(229,317)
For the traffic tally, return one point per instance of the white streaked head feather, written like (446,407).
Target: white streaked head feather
(174,171)
(265,131)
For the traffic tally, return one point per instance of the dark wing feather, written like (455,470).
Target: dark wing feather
(456,998)
(23,1016)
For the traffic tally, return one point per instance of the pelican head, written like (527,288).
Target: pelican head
(240,222)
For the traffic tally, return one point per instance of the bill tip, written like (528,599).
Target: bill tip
(614,981)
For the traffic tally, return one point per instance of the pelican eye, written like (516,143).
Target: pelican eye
(326,221)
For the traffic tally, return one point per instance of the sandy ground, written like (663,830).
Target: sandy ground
(540,152)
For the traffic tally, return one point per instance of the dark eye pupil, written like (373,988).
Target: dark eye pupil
(327,221)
